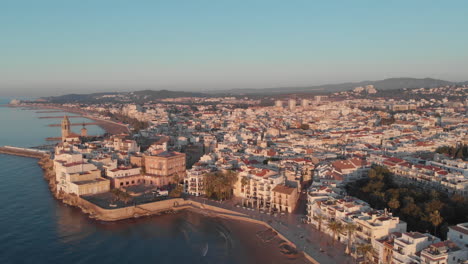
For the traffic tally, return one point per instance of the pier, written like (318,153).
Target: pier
(23,152)
(75,124)
(49,111)
(61,117)
(54,139)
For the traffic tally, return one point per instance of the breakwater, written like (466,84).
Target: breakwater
(58,117)
(76,124)
(23,152)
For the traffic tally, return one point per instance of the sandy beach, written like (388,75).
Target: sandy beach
(262,244)
(109,126)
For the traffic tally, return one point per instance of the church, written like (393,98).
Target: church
(68,135)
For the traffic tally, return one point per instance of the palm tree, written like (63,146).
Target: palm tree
(350,229)
(394,204)
(335,227)
(319,218)
(364,249)
(244,181)
(436,219)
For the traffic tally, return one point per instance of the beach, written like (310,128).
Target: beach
(109,126)
(262,245)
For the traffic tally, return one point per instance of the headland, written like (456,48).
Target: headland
(270,246)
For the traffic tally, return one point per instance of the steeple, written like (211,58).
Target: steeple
(84,131)
(65,128)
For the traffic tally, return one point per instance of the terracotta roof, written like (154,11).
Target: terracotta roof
(343,165)
(284,189)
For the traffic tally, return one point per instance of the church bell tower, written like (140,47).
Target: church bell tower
(84,131)
(65,128)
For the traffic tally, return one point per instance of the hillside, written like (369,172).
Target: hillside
(137,96)
(155,95)
(382,85)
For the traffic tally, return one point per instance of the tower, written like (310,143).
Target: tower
(292,104)
(65,128)
(279,103)
(84,131)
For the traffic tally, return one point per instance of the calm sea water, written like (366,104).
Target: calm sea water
(36,228)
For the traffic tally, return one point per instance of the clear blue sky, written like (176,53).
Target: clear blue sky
(56,47)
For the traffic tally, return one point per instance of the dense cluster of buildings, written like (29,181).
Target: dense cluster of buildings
(391,241)
(113,163)
(278,151)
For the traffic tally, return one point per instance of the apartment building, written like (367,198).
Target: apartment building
(165,165)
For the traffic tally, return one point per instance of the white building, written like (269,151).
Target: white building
(74,175)
(292,104)
(194,182)
(446,252)
(459,235)
(256,188)
(410,243)
(279,103)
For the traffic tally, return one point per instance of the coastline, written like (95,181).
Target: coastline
(173,206)
(280,247)
(109,126)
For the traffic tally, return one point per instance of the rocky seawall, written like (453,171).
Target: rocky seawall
(98,213)
(157,208)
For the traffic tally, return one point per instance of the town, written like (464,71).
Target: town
(385,176)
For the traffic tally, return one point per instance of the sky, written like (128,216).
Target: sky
(52,47)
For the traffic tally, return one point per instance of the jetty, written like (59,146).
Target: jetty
(23,152)
(76,124)
(49,111)
(54,139)
(61,117)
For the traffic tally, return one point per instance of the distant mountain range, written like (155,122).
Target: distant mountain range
(154,95)
(381,85)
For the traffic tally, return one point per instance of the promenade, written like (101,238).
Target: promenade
(305,237)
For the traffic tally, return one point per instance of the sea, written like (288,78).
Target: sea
(36,228)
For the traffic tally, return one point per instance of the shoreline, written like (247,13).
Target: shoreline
(108,126)
(170,206)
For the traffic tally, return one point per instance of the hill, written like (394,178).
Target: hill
(137,96)
(155,95)
(381,85)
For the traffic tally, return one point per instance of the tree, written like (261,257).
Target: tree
(319,218)
(435,219)
(219,185)
(416,204)
(433,205)
(176,192)
(178,189)
(350,230)
(244,181)
(364,250)
(121,195)
(394,204)
(335,227)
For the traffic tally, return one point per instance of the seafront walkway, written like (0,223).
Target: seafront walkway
(305,237)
